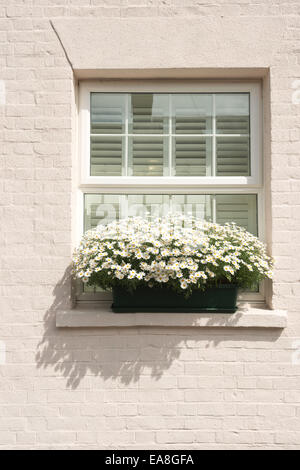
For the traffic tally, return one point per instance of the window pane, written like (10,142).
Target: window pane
(192,156)
(101,209)
(157,205)
(148,156)
(191,113)
(108,113)
(148,205)
(221,208)
(198,205)
(238,208)
(232,113)
(153,127)
(149,113)
(233,156)
(107,155)
(104,208)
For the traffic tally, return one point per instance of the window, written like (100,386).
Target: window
(150,147)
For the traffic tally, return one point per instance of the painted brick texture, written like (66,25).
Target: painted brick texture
(137,387)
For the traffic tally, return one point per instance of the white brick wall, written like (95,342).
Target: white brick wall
(138,387)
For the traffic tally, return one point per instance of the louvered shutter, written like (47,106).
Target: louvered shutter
(149,113)
(192,156)
(232,156)
(148,155)
(238,208)
(232,121)
(107,117)
(133,128)
(108,113)
(191,114)
(107,155)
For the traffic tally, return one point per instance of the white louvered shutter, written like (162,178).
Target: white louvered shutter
(147,156)
(107,155)
(232,122)
(107,119)
(238,208)
(192,156)
(191,118)
(148,117)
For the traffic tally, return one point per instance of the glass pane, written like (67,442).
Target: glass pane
(148,156)
(148,205)
(192,156)
(232,113)
(107,155)
(104,208)
(101,209)
(191,113)
(190,116)
(108,113)
(198,205)
(233,156)
(149,113)
(238,208)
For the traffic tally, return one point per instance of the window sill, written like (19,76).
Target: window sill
(101,316)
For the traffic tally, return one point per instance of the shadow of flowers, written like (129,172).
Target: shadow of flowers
(127,354)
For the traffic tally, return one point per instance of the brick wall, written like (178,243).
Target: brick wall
(136,387)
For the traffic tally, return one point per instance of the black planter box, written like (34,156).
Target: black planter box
(221,299)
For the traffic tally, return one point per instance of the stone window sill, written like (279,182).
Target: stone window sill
(101,316)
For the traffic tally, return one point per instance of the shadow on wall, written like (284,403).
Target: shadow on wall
(110,353)
(126,354)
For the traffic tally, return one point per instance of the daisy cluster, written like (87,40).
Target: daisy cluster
(181,252)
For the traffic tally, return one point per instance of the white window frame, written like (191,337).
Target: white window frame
(252,184)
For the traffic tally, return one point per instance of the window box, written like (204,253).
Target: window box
(221,299)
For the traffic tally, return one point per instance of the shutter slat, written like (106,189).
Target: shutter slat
(232,125)
(190,125)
